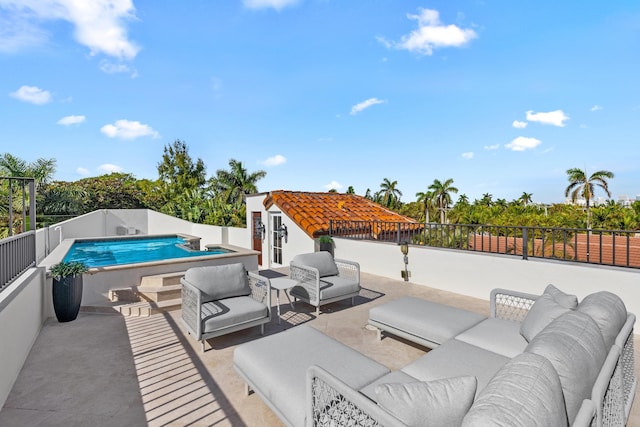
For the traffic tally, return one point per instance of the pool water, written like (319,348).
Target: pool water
(100,253)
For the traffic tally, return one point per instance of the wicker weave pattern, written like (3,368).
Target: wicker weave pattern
(627,362)
(190,309)
(348,270)
(330,408)
(613,403)
(307,278)
(259,289)
(510,306)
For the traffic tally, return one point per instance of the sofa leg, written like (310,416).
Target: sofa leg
(247,389)
(262,329)
(379,334)
(353,301)
(318,310)
(203,345)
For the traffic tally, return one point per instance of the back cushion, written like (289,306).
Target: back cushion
(574,346)
(565,300)
(220,281)
(525,392)
(608,311)
(322,260)
(541,313)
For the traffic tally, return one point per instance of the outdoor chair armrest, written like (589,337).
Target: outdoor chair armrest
(348,269)
(307,277)
(330,401)
(191,306)
(511,305)
(260,289)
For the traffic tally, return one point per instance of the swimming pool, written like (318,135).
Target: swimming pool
(122,251)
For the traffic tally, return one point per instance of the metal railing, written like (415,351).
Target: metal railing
(603,247)
(17,254)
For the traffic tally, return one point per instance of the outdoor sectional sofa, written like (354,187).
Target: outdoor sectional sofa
(537,360)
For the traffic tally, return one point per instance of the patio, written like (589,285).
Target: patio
(108,370)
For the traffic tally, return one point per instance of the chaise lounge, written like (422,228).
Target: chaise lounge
(537,360)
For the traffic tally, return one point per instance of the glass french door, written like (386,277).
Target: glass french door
(276,239)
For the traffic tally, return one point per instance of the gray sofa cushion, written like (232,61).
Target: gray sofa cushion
(425,319)
(330,287)
(525,392)
(574,346)
(435,403)
(608,311)
(322,260)
(220,281)
(566,300)
(496,335)
(276,367)
(541,313)
(395,377)
(230,311)
(456,358)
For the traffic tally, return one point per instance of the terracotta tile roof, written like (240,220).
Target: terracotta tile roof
(313,211)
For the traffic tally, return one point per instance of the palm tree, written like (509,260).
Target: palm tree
(426,199)
(441,195)
(526,198)
(582,186)
(236,182)
(390,194)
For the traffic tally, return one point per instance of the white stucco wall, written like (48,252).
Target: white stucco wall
(23,310)
(476,274)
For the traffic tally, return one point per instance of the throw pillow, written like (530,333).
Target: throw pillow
(608,311)
(541,313)
(435,403)
(565,300)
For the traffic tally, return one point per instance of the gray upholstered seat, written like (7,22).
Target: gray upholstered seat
(218,300)
(323,279)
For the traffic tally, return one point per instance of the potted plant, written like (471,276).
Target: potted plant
(67,289)
(326,243)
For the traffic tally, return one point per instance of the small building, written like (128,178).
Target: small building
(286,223)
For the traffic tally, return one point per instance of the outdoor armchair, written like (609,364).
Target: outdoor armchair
(323,279)
(218,300)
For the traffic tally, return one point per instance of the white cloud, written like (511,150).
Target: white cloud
(114,68)
(519,125)
(333,185)
(432,34)
(492,147)
(596,108)
(127,129)
(276,160)
(71,120)
(555,118)
(109,168)
(364,105)
(32,94)
(523,143)
(266,4)
(98,24)
(467,155)
(82,171)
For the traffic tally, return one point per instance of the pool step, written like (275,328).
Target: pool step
(147,308)
(160,293)
(160,280)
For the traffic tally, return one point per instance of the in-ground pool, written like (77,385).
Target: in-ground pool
(121,251)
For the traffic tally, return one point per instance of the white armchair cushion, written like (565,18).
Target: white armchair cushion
(322,260)
(220,281)
(435,403)
(608,311)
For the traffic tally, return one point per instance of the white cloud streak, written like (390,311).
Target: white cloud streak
(268,4)
(492,147)
(333,185)
(467,155)
(127,129)
(276,160)
(109,168)
(554,118)
(32,95)
(364,105)
(71,120)
(431,34)
(519,125)
(98,24)
(596,108)
(82,171)
(523,143)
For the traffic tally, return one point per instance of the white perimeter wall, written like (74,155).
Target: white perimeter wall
(476,274)
(23,310)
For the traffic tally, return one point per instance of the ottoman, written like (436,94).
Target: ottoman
(275,367)
(421,321)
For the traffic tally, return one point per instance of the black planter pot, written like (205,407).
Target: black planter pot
(327,247)
(67,296)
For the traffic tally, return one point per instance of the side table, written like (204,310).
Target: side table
(282,284)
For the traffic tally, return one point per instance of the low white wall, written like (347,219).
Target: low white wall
(476,274)
(23,310)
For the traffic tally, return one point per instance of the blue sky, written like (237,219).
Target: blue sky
(501,96)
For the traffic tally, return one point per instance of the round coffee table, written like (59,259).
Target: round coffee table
(282,284)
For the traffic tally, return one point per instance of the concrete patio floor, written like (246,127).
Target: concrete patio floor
(109,370)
